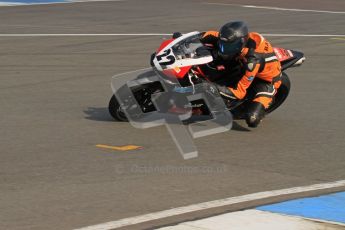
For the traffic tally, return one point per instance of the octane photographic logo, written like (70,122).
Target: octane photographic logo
(172,107)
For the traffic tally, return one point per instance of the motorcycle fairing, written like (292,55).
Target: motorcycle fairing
(175,58)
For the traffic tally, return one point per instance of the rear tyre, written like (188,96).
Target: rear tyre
(116,111)
(281,95)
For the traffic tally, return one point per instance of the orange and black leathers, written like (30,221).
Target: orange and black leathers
(259,61)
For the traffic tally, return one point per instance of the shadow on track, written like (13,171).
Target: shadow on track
(238,127)
(98,114)
(102,114)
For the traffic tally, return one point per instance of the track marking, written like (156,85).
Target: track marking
(95,1)
(76,35)
(254,219)
(276,8)
(19,3)
(211,204)
(120,148)
(10,4)
(342,39)
(330,207)
(157,34)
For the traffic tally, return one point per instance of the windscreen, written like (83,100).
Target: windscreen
(187,48)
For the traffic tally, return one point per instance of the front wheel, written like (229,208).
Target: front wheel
(115,110)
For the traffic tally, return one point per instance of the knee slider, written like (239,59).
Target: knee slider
(255,114)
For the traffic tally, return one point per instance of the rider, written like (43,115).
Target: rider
(256,55)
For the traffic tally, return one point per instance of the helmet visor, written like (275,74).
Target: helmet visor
(230,48)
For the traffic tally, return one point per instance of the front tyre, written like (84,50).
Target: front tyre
(115,110)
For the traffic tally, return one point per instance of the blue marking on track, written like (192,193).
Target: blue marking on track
(328,207)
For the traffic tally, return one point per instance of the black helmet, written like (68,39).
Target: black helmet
(233,36)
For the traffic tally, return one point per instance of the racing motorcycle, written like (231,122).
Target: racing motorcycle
(182,63)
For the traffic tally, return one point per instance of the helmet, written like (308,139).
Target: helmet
(233,36)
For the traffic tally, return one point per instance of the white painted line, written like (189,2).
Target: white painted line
(52,3)
(342,39)
(77,35)
(211,204)
(254,220)
(276,8)
(156,34)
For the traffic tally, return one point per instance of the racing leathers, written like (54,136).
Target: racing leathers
(262,71)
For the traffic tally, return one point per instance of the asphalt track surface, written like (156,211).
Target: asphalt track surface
(54,93)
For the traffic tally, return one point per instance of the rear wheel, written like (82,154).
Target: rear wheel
(281,95)
(142,96)
(115,110)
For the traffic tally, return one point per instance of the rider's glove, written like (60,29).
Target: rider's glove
(210,38)
(176,35)
(203,51)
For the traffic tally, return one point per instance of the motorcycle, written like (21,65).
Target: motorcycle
(183,63)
